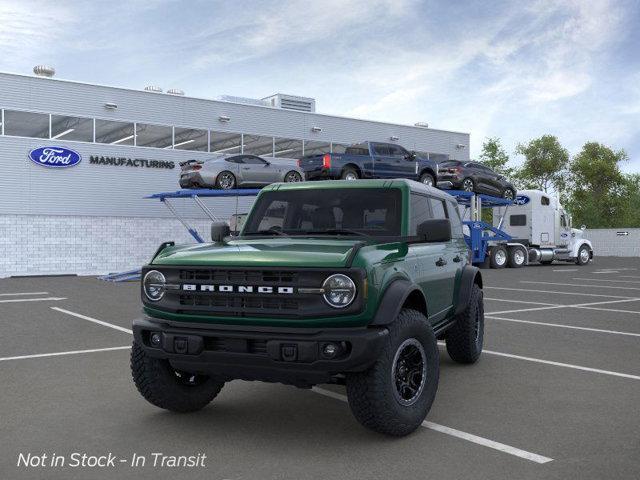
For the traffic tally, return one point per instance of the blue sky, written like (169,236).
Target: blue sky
(515,70)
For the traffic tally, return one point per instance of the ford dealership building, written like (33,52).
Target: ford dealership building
(77,159)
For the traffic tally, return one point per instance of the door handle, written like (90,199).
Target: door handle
(441,262)
(457,259)
(246,168)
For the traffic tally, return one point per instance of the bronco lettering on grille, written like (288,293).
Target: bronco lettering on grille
(190,287)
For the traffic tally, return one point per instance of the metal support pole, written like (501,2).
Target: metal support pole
(194,233)
(205,209)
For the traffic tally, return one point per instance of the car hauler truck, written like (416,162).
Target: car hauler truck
(538,221)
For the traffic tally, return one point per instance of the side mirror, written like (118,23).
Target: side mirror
(410,156)
(435,230)
(583,227)
(267,163)
(219,230)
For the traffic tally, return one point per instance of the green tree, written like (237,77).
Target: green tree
(545,164)
(599,192)
(631,210)
(495,157)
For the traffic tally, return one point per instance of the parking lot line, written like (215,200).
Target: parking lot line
(559,325)
(485,442)
(564,365)
(44,299)
(578,285)
(577,305)
(521,301)
(566,269)
(57,354)
(23,293)
(94,320)
(560,293)
(617,310)
(604,280)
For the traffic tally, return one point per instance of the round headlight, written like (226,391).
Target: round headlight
(339,290)
(153,285)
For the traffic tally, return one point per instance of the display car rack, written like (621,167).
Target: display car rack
(481,234)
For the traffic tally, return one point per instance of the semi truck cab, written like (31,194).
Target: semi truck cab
(538,221)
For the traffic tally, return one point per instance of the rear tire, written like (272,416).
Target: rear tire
(517,257)
(498,257)
(292,177)
(509,194)
(225,180)
(465,339)
(394,396)
(468,185)
(163,386)
(349,174)
(428,180)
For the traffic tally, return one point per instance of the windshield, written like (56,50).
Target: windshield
(340,211)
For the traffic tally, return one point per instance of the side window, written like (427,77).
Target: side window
(544,201)
(234,160)
(437,207)
(396,151)
(252,160)
(563,221)
(456,222)
(517,220)
(420,211)
(381,149)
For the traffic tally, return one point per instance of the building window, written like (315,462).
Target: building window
(338,147)
(287,148)
(72,128)
(190,139)
(114,133)
(316,148)
(26,124)
(226,143)
(257,145)
(157,136)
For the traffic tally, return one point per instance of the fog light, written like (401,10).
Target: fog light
(156,339)
(330,350)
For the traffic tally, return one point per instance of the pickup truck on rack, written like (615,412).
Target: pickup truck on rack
(370,160)
(331,282)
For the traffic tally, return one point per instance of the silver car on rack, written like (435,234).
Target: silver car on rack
(239,170)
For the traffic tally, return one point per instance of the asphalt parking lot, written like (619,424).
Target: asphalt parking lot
(555,394)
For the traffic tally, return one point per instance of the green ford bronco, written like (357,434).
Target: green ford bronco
(346,282)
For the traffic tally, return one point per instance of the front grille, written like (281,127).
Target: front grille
(234,302)
(230,303)
(265,277)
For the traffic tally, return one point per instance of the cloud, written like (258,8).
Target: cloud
(29,30)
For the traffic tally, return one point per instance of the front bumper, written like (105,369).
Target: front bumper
(274,354)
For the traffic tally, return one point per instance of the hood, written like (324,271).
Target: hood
(271,252)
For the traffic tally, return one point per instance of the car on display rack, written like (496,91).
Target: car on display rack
(328,282)
(236,171)
(475,177)
(370,160)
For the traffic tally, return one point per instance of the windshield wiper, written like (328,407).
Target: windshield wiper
(334,231)
(269,231)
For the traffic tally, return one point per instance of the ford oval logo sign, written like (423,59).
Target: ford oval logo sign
(521,200)
(56,157)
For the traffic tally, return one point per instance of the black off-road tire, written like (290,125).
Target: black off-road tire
(373,395)
(465,339)
(348,173)
(161,386)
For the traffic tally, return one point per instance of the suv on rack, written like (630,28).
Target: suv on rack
(330,282)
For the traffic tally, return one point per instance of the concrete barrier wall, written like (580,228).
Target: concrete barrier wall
(618,242)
